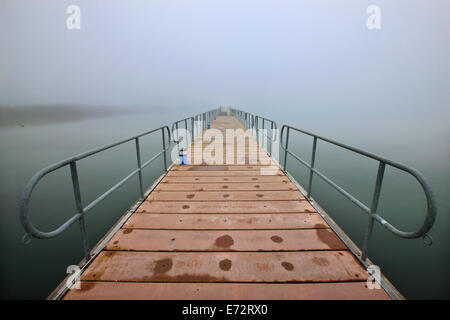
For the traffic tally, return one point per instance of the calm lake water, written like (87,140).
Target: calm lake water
(33,271)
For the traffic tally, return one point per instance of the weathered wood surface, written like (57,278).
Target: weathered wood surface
(225,291)
(225,231)
(238,240)
(259,206)
(252,221)
(316,266)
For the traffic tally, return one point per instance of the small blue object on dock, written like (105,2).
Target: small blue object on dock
(209,126)
(183,157)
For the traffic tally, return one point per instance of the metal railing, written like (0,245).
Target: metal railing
(191,127)
(258,126)
(372,210)
(247,119)
(251,122)
(32,231)
(261,134)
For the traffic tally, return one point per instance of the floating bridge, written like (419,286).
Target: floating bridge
(236,226)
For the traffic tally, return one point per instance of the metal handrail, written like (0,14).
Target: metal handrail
(273,128)
(247,119)
(32,231)
(204,117)
(372,211)
(175,128)
(251,122)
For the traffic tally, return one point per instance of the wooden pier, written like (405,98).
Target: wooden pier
(225,232)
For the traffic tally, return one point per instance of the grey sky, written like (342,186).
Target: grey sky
(259,55)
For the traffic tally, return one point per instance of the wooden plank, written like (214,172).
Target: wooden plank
(217,173)
(229,156)
(226,221)
(235,179)
(225,161)
(91,290)
(241,144)
(226,207)
(239,141)
(225,195)
(222,147)
(307,266)
(226,148)
(229,152)
(218,168)
(225,186)
(200,160)
(225,240)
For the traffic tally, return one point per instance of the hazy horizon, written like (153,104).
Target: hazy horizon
(263,56)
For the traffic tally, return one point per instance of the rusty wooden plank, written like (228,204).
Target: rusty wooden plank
(242,142)
(225,240)
(225,195)
(219,149)
(226,221)
(228,150)
(200,160)
(305,266)
(226,207)
(91,290)
(226,147)
(217,168)
(225,186)
(217,173)
(235,179)
(215,150)
(225,161)
(238,144)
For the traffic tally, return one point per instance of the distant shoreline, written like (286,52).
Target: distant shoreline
(22,116)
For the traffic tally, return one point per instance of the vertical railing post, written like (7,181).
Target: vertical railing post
(263,136)
(178,137)
(192,129)
(164,148)
(79,205)
(286,149)
(271,136)
(311,172)
(257,131)
(197,125)
(186,133)
(138,158)
(373,209)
